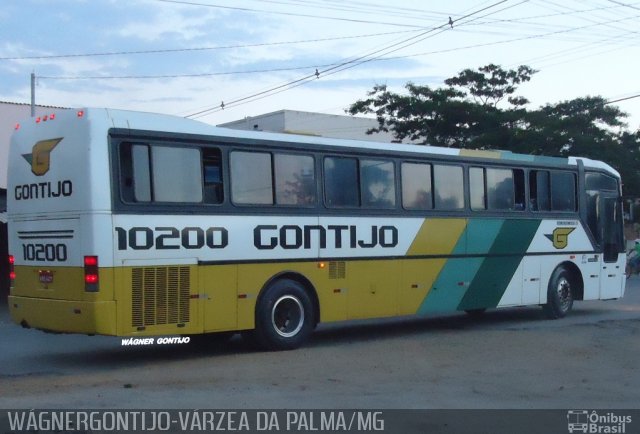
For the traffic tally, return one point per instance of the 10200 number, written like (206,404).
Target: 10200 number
(167,238)
(44,252)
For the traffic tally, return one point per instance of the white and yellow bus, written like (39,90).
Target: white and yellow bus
(137,224)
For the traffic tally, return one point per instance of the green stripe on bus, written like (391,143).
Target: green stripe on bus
(497,270)
(536,159)
(453,281)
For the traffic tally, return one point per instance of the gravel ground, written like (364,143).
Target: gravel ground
(511,358)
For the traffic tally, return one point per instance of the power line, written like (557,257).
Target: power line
(236,46)
(622,99)
(625,4)
(549,55)
(330,65)
(366,8)
(220,47)
(342,66)
(291,14)
(303,80)
(195,75)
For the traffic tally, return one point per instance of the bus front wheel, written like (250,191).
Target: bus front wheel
(559,294)
(284,316)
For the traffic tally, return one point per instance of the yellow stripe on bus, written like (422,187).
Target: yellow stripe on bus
(437,237)
(480,154)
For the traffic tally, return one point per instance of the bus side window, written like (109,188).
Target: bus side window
(212,176)
(496,189)
(184,185)
(448,187)
(539,190)
(135,175)
(295,179)
(377,184)
(251,178)
(416,186)
(477,189)
(126,172)
(341,182)
(563,191)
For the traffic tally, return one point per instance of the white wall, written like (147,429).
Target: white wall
(318,124)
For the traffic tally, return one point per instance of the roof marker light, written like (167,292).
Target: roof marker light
(38,119)
(80,113)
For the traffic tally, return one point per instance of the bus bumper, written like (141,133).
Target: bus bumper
(63,316)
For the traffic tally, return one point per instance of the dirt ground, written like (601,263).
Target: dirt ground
(511,358)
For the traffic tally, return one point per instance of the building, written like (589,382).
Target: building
(313,124)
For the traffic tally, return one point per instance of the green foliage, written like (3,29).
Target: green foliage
(490,84)
(480,110)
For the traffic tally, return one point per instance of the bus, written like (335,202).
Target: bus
(136,225)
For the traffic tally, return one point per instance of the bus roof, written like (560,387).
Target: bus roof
(161,122)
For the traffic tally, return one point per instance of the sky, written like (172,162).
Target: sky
(190,58)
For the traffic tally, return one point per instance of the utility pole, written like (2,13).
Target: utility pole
(33,94)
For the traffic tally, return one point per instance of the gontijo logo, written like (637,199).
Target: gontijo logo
(40,160)
(40,156)
(560,237)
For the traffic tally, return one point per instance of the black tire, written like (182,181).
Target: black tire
(476,313)
(559,294)
(284,316)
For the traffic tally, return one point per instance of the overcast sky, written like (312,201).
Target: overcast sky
(258,56)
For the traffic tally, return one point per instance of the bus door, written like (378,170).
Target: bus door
(611,240)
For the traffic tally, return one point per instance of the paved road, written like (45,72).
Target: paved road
(511,358)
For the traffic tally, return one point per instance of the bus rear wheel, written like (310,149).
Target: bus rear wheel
(284,316)
(559,294)
(476,313)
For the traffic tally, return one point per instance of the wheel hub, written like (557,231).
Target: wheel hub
(287,316)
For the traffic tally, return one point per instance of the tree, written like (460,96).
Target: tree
(627,162)
(480,110)
(425,114)
(490,84)
(464,114)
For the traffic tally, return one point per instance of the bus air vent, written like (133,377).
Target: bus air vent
(160,296)
(337,270)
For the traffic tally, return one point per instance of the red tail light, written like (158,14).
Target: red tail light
(91,279)
(12,273)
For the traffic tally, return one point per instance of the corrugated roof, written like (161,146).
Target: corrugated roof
(37,105)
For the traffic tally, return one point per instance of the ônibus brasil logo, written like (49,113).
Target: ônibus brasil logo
(40,156)
(587,422)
